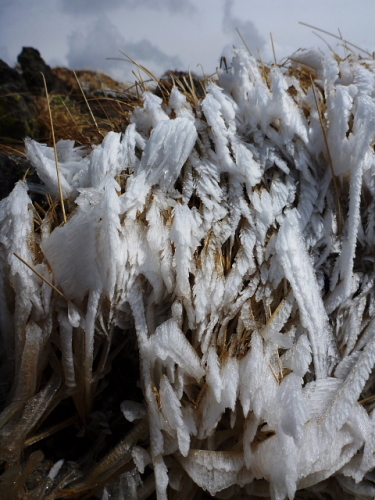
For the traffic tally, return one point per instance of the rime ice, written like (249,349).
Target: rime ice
(243,267)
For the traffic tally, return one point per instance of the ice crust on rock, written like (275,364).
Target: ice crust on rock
(221,249)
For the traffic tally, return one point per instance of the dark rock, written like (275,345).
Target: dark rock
(11,76)
(12,169)
(32,66)
(17,117)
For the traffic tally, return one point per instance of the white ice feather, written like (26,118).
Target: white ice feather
(298,269)
(213,471)
(169,341)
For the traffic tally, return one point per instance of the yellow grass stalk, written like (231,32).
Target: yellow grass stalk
(54,147)
(273,49)
(88,105)
(41,276)
(52,430)
(338,37)
(244,41)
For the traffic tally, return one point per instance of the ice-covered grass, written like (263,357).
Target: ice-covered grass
(214,233)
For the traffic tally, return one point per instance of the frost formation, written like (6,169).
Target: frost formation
(218,235)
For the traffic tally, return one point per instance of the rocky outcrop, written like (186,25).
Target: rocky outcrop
(32,65)
(17,116)
(12,168)
(24,110)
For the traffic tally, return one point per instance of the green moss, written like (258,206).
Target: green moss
(32,128)
(60,101)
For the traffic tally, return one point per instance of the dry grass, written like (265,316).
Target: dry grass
(93,99)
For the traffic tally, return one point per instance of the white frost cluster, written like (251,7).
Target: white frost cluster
(218,234)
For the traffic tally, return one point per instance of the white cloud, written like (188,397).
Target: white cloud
(247,28)
(102,40)
(94,7)
(196,30)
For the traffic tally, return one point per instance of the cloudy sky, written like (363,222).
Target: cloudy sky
(174,34)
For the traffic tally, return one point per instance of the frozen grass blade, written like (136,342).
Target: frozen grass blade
(338,204)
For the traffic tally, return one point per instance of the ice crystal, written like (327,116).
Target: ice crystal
(239,249)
